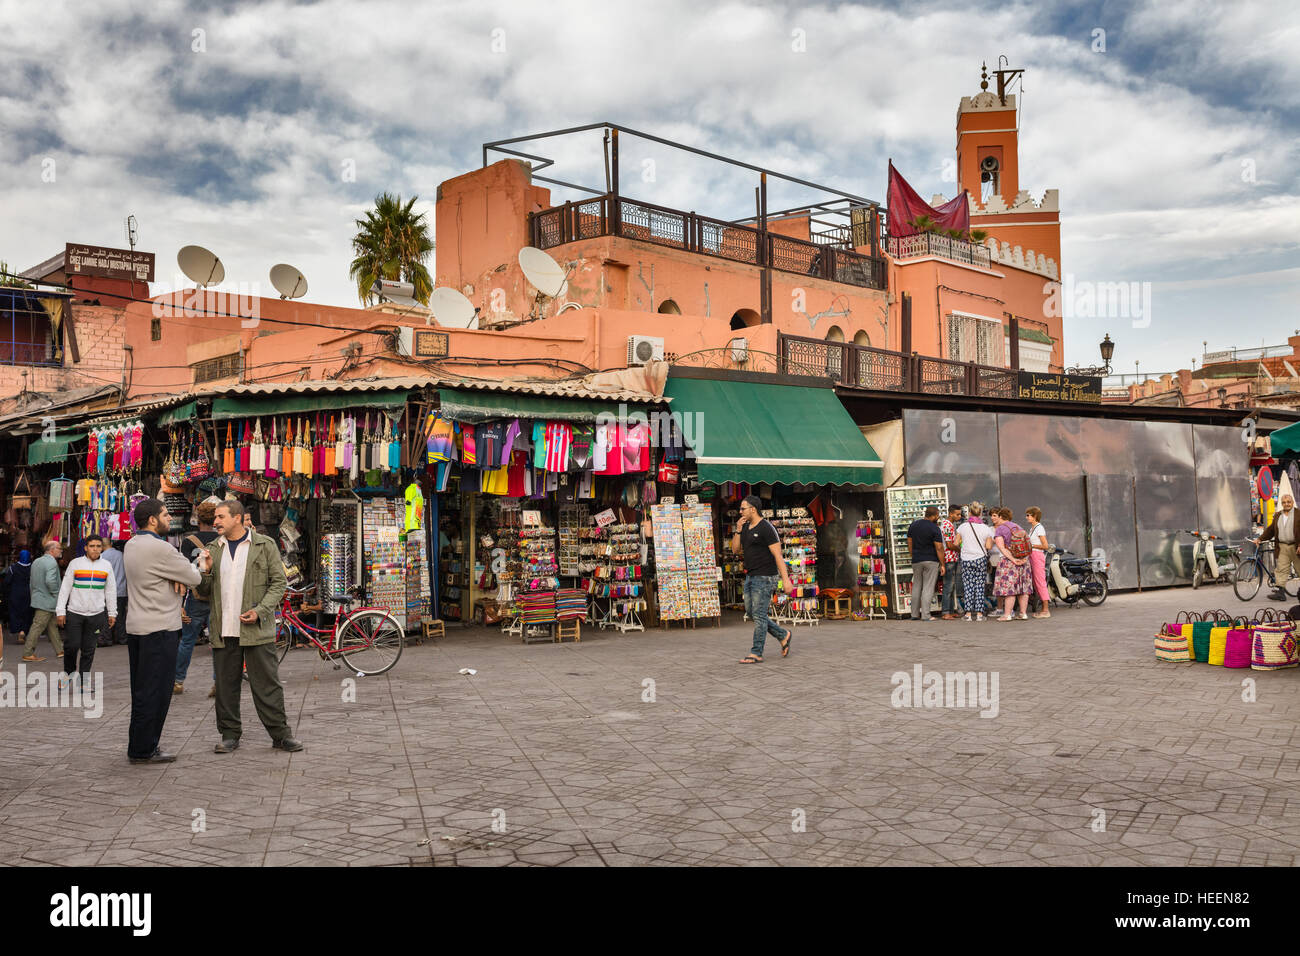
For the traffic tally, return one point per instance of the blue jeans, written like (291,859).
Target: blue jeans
(198,612)
(758,592)
(951,575)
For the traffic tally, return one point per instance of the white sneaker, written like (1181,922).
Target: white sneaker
(966,618)
(979,617)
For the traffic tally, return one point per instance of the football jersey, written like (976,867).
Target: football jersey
(539,444)
(414,508)
(580,449)
(559,435)
(508,442)
(488,442)
(636,449)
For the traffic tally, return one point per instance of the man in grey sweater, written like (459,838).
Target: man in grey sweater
(156,574)
(46,581)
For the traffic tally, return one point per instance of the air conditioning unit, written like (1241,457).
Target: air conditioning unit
(739,350)
(644,348)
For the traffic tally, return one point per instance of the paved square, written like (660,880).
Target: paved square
(556,744)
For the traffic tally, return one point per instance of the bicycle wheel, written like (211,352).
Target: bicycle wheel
(283,639)
(371,642)
(1249,577)
(1091,595)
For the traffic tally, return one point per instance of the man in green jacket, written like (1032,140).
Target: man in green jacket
(243,581)
(46,581)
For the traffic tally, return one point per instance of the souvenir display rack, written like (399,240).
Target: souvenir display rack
(385,554)
(339,525)
(798,535)
(574,520)
(618,577)
(733,567)
(873,570)
(417,578)
(687,573)
(903,506)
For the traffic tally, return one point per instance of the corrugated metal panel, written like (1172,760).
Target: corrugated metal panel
(558,389)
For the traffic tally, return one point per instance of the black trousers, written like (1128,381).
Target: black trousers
(153,671)
(82,634)
(119,627)
(263,680)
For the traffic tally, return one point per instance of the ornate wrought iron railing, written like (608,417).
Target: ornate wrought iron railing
(945,247)
(630,219)
(862,366)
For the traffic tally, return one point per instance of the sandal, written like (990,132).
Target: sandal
(785,645)
(751,659)
(34,660)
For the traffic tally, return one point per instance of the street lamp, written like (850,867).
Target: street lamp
(1096,371)
(1223,397)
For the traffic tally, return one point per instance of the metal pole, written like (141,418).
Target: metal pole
(765,246)
(616,218)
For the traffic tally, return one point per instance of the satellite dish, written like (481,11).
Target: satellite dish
(542,271)
(452,309)
(202,267)
(288,281)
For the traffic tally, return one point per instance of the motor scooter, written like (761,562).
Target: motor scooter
(1072,579)
(1212,562)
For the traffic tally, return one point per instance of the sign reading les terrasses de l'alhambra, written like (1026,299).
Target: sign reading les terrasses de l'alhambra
(1058,388)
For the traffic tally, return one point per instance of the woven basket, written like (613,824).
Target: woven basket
(1200,642)
(1237,648)
(1218,644)
(1274,647)
(1173,647)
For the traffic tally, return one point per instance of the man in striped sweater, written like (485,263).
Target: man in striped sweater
(87,606)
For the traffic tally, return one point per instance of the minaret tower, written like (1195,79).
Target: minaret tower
(988,166)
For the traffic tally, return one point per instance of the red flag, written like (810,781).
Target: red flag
(905,205)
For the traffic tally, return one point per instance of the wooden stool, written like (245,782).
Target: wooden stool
(431,628)
(837,608)
(571,630)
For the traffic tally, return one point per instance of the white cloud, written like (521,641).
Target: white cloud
(241,147)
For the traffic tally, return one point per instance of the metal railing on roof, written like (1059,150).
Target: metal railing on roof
(827,258)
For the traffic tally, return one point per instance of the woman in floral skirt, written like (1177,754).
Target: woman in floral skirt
(1013,580)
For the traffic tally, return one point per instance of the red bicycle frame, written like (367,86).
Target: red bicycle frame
(289,616)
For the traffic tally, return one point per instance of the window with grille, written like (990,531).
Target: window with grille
(223,366)
(974,339)
(155,330)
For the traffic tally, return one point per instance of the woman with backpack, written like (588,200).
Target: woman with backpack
(975,537)
(1012,583)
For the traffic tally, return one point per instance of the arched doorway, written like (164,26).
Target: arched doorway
(835,334)
(744,318)
(669,307)
(861,338)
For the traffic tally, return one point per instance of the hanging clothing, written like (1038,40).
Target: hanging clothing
(487,439)
(508,441)
(515,472)
(539,444)
(414,508)
(580,447)
(559,435)
(636,449)
(613,451)
(441,443)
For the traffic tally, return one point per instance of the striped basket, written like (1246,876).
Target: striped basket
(1173,647)
(1274,647)
(1237,648)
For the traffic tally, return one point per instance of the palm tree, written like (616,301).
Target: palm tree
(393,243)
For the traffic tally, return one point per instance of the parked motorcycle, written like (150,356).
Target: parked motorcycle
(1071,579)
(1212,562)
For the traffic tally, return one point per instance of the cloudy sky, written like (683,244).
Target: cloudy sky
(1173,135)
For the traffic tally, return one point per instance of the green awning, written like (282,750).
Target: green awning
(41,450)
(476,407)
(251,406)
(1285,442)
(773,434)
(181,413)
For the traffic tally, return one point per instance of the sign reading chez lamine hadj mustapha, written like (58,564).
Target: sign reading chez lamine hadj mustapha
(108,263)
(1058,388)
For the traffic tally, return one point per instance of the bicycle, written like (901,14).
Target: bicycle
(368,639)
(1252,571)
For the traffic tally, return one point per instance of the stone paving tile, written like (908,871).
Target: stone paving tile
(800,761)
